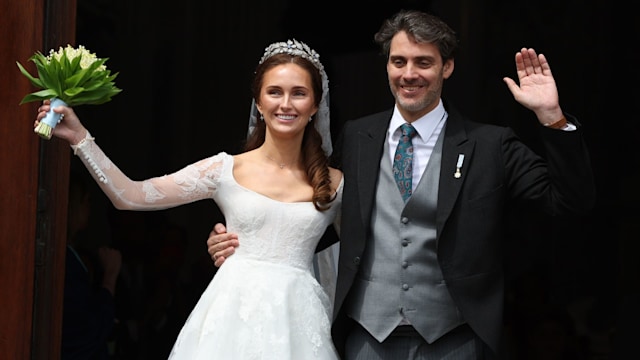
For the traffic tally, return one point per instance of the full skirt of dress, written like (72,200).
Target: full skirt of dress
(255,309)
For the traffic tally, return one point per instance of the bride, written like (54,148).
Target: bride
(280,195)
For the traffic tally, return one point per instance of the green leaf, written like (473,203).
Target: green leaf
(39,96)
(78,79)
(98,96)
(34,81)
(73,91)
(74,65)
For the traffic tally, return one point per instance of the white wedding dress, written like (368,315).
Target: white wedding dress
(264,302)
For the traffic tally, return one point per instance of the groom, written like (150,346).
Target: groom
(423,278)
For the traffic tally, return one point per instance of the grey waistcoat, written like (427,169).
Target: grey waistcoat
(400,278)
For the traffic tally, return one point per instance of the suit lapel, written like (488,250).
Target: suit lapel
(370,143)
(455,144)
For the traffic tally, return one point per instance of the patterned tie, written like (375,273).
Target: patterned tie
(403,161)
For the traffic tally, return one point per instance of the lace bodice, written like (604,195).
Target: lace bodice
(286,233)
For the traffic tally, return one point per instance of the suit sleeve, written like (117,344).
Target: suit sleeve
(561,180)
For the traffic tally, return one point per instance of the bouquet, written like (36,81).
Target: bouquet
(69,77)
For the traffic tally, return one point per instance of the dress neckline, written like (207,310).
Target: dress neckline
(232,176)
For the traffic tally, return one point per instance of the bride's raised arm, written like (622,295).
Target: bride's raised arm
(194,182)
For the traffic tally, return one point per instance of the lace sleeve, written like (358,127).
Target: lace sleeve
(194,182)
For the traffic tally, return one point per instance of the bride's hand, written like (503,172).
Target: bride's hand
(69,127)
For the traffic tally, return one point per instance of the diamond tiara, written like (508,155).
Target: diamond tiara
(293,47)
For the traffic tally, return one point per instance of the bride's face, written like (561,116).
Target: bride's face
(286,99)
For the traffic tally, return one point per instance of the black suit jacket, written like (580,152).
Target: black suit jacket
(497,169)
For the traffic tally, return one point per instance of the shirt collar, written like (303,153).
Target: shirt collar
(425,126)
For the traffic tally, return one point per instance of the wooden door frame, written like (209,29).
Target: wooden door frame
(33,200)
